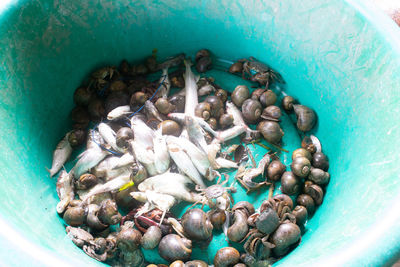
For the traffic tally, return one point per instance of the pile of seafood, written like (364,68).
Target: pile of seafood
(158,136)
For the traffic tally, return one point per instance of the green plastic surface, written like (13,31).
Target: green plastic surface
(339,57)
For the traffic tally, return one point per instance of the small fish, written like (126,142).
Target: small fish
(143,133)
(119,112)
(196,133)
(110,186)
(225,163)
(230,133)
(184,163)
(161,155)
(191,97)
(108,168)
(151,111)
(65,190)
(109,136)
(144,155)
(196,155)
(60,155)
(239,121)
(180,118)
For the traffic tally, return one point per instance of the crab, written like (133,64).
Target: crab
(257,71)
(216,196)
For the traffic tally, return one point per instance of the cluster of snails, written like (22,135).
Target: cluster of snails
(266,234)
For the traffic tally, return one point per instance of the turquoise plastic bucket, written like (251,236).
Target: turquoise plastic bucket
(340,57)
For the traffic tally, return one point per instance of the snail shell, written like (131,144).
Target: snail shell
(268,98)
(225,121)
(116,99)
(202,53)
(318,176)
(179,102)
(77,137)
(173,247)
(236,67)
(82,96)
(222,94)
(271,131)
(246,206)
(251,111)
(301,152)
(138,99)
(226,256)
(80,115)
(86,181)
(74,216)
(124,134)
(301,166)
(306,201)
(320,160)
(272,113)
(128,239)
(275,170)
(213,123)
(240,94)
(287,103)
(306,117)
(301,215)
(151,238)
(196,263)
(96,109)
(203,64)
(217,218)
(239,229)
(108,213)
(196,224)
(316,192)
(170,127)
(92,220)
(290,184)
(286,235)
(164,106)
(217,106)
(203,110)
(177,263)
(257,93)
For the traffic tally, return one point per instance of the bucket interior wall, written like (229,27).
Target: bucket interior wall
(333,57)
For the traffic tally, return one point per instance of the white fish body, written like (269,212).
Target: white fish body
(173,184)
(197,156)
(225,163)
(161,155)
(153,200)
(191,97)
(124,160)
(184,163)
(230,133)
(151,111)
(143,133)
(119,112)
(89,159)
(236,114)
(60,155)
(109,136)
(180,117)
(109,186)
(65,190)
(196,133)
(144,155)
(206,90)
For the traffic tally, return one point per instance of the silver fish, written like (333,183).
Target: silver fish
(154,200)
(110,168)
(119,112)
(60,155)
(184,163)
(191,97)
(109,136)
(225,163)
(65,190)
(180,117)
(144,155)
(109,186)
(239,121)
(230,133)
(161,155)
(196,133)
(143,133)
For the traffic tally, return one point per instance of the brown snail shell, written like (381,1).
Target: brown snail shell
(96,109)
(217,107)
(217,218)
(226,257)
(202,53)
(287,103)
(236,67)
(213,123)
(275,170)
(164,106)
(268,98)
(301,152)
(272,113)
(80,115)
(251,111)
(316,192)
(222,94)
(203,64)
(86,181)
(257,93)
(320,160)
(74,216)
(271,131)
(290,184)
(82,96)
(286,235)
(311,143)
(92,219)
(196,224)
(301,215)
(301,166)
(245,206)
(124,199)
(284,198)
(319,176)
(240,94)
(173,247)
(117,85)
(225,121)
(307,202)
(138,99)
(123,136)
(128,239)
(203,110)
(306,117)
(151,238)
(170,127)
(108,212)
(239,229)
(77,137)
(116,99)
(196,263)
